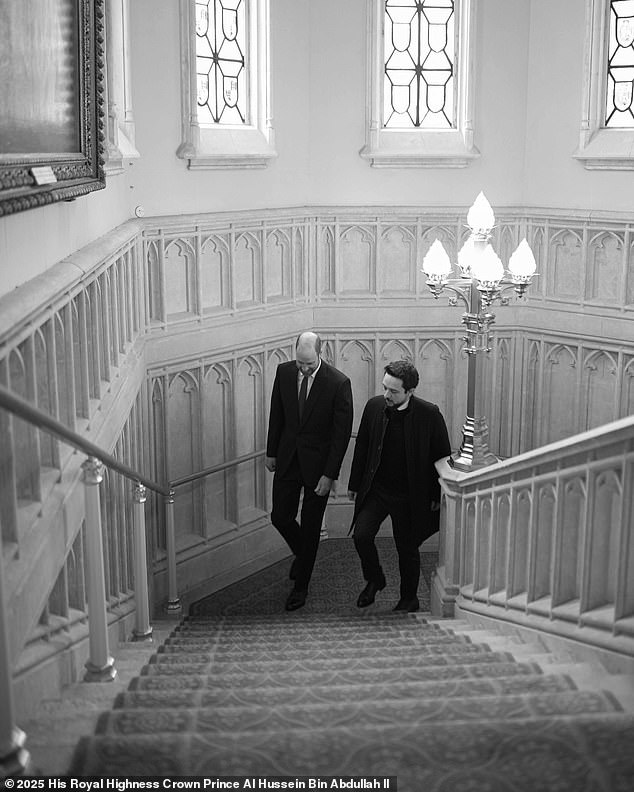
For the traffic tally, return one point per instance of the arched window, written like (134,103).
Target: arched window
(420,84)
(221,62)
(225,84)
(607,124)
(419,52)
(619,93)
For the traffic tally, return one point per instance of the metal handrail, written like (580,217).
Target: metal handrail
(215,469)
(40,419)
(17,405)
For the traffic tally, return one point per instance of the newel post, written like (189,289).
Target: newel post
(14,758)
(100,666)
(143,628)
(173,602)
(445,584)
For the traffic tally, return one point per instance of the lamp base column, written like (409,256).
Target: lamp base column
(474,450)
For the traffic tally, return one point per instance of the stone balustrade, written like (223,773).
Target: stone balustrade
(159,342)
(546,539)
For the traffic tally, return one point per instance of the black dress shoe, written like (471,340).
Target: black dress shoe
(407,605)
(296,599)
(369,593)
(292,572)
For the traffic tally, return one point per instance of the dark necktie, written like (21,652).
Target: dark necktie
(303,389)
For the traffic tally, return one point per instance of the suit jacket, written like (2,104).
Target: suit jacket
(321,438)
(426,441)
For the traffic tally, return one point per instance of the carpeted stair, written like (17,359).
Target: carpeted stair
(356,693)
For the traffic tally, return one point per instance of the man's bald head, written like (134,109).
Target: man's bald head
(307,351)
(308,340)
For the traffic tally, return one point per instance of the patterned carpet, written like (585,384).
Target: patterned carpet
(244,688)
(336,582)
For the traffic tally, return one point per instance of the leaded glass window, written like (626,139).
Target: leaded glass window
(420,59)
(620,66)
(221,68)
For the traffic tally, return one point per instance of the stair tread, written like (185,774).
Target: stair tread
(360,616)
(252,716)
(515,750)
(237,654)
(171,665)
(343,676)
(512,685)
(224,642)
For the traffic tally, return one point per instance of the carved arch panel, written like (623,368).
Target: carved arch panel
(218,445)
(600,389)
(560,392)
(356,261)
(248,269)
(566,258)
(215,273)
(183,439)
(436,368)
(279,265)
(604,267)
(180,277)
(397,260)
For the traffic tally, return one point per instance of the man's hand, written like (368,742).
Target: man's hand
(352,495)
(324,485)
(269,464)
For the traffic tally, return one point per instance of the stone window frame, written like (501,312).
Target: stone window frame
(600,148)
(120,128)
(218,146)
(422,148)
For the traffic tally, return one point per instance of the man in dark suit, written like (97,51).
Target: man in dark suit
(393,473)
(309,431)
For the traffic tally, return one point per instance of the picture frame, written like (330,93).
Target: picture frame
(52,106)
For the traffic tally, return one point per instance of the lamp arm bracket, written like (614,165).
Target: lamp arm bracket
(460,294)
(518,288)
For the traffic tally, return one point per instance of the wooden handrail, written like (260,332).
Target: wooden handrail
(28,412)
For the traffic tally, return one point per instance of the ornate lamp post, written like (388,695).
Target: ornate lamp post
(482,280)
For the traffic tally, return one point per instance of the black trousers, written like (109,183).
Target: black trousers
(378,505)
(302,537)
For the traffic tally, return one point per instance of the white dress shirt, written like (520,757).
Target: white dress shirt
(311,379)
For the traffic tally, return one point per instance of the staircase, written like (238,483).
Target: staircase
(362,694)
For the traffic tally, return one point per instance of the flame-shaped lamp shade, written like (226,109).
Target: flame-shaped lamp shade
(436,263)
(487,267)
(467,256)
(522,262)
(480,217)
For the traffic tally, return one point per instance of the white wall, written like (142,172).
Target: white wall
(318,107)
(528,104)
(31,242)
(162,183)
(552,177)
(338,97)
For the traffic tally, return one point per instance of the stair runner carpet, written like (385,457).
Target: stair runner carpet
(242,688)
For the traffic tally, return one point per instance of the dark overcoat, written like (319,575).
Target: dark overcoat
(319,441)
(426,441)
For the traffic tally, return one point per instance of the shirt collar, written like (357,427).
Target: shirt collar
(405,405)
(310,376)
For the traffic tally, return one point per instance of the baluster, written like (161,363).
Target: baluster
(14,758)
(100,666)
(143,629)
(445,585)
(173,602)
(8,479)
